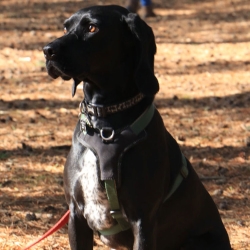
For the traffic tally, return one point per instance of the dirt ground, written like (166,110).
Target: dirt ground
(203,66)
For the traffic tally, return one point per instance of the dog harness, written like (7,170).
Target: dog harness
(112,145)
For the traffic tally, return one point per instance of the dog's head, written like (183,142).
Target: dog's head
(99,42)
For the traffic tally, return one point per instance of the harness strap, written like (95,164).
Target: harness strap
(115,211)
(122,224)
(143,120)
(178,180)
(110,186)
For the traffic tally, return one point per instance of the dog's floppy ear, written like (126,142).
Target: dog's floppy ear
(145,48)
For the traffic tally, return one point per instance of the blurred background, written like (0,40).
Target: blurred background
(203,66)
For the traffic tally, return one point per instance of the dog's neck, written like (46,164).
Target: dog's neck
(96,96)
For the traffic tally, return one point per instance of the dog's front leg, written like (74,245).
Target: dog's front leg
(80,235)
(144,235)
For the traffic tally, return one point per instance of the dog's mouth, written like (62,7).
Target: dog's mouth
(55,71)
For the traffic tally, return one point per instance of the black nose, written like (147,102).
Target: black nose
(49,52)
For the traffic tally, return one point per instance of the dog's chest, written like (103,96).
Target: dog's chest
(96,205)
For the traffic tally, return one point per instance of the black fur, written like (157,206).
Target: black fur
(116,62)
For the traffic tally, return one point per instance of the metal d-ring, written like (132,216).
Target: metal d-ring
(103,133)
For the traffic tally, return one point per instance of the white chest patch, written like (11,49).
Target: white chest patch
(96,208)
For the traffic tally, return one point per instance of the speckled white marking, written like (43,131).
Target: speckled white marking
(96,209)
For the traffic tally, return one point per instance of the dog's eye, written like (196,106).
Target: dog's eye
(92,28)
(65,30)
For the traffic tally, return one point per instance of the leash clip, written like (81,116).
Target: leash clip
(107,134)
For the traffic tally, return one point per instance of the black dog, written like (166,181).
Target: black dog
(125,176)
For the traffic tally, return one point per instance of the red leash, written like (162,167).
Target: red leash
(64,220)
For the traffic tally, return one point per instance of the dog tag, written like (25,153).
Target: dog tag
(84,122)
(83,127)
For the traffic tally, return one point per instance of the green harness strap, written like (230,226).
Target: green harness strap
(115,211)
(142,121)
(179,178)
